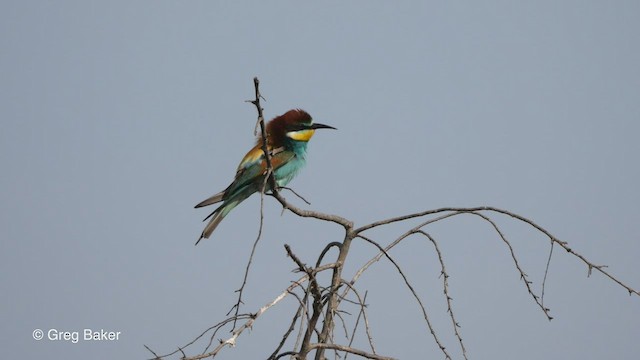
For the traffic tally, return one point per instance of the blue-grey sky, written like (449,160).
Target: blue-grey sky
(118,116)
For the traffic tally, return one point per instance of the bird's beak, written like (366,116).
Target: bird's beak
(321,126)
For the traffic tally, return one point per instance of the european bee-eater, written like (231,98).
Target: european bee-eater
(287,137)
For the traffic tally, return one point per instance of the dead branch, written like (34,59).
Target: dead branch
(319,305)
(349,350)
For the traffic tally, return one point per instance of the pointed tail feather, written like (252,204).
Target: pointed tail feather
(216,218)
(211,200)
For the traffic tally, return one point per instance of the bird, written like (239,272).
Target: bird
(287,138)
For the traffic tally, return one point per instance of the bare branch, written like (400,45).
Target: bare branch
(270,178)
(236,333)
(393,244)
(452,211)
(445,284)
(546,272)
(300,313)
(350,350)
(523,275)
(151,351)
(347,224)
(296,194)
(333,301)
(361,314)
(240,291)
(413,292)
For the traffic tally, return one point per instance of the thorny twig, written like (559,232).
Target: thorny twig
(445,285)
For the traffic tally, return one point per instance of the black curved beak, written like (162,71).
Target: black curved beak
(321,126)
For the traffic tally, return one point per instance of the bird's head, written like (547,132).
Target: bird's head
(294,125)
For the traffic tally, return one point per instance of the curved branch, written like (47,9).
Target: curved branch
(523,275)
(413,292)
(347,224)
(349,350)
(456,211)
(362,313)
(445,285)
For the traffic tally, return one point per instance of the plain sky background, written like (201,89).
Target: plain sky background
(118,116)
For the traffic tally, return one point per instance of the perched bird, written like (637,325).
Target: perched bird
(287,137)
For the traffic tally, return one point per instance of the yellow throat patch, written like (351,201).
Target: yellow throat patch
(301,135)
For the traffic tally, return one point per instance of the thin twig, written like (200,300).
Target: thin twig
(523,276)
(295,193)
(269,176)
(413,292)
(333,301)
(215,327)
(445,285)
(236,333)
(361,314)
(451,211)
(380,254)
(300,311)
(151,351)
(546,272)
(240,291)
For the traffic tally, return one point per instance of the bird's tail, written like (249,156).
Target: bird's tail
(212,199)
(216,218)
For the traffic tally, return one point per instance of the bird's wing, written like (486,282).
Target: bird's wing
(253,166)
(256,155)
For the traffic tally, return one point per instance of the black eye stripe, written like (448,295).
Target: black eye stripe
(298,127)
